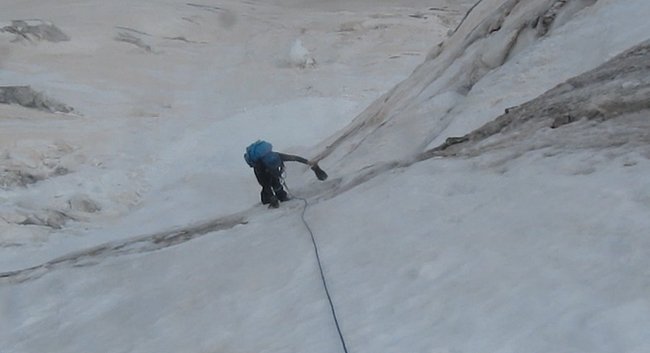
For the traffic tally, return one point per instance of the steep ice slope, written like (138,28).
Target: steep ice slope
(608,107)
(542,254)
(166,96)
(532,241)
(505,53)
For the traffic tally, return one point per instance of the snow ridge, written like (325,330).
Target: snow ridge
(617,88)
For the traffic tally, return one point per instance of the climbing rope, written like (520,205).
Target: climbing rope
(320,265)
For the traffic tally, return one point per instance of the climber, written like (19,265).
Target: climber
(268,166)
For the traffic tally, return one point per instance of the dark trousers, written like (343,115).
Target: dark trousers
(272,189)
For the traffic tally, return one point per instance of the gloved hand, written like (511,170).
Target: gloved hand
(320,174)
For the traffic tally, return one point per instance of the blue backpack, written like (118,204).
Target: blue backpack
(262,151)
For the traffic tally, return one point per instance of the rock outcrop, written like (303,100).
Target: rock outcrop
(29,98)
(35,31)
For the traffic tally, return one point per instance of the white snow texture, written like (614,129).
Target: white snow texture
(488,171)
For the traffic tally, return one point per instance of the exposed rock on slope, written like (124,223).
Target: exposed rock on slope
(132,39)
(31,165)
(617,89)
(407,119)
(35,30)
(604,108)
(27,97)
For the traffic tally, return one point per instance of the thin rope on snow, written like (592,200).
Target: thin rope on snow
(320,265)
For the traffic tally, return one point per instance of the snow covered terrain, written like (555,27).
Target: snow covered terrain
(488,186)
(157,135)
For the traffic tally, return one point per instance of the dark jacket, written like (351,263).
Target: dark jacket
(270,176)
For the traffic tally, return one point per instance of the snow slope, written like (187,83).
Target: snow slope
(159,129)
(496,59)
(526,233)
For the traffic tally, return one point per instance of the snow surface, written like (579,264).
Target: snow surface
(229,83)
(142,230)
